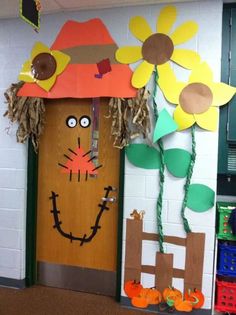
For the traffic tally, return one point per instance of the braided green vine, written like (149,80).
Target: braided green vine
(161,172)
(188,181)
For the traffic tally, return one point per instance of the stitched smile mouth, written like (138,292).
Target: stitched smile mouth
(84,238)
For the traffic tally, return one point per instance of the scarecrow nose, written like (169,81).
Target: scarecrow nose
(79,164)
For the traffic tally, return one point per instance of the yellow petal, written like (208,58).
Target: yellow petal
(183,120)
(168,83)
(61,59)
(166,19)
(140,28)
(129,54)
(184,32)
(222,93)
(142,74)
(47,84)
(201,74)
(38,49)
(208,120)
(186,58)
(25,74)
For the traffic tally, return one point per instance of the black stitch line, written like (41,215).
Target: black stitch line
(62,165)
(70,175)
(97,167)
(79,142)
(86,175)
(68,157)
(92,158)
(94,228)
(72,151)
(86,153)
(78,175)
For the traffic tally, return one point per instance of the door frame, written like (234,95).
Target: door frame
(31,219)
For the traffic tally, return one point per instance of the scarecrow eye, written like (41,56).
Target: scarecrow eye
(85,121)
(71,121)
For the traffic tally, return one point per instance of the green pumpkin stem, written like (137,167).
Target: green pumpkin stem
(196,300)
(170,302)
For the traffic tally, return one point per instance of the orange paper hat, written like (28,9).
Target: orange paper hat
(92,71)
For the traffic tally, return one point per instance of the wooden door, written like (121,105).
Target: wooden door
(77,198)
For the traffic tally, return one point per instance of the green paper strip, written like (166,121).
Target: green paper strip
(143,156)
(165,125)
(200,198)
(177,162)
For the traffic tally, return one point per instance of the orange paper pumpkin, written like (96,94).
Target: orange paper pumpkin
(196,297)
(183,306)
(152,295)
(132,288)
(139,301)
(171,293)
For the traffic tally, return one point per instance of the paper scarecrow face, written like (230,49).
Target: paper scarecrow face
(78,169)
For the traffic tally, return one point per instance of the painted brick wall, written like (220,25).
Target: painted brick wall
(141,186)
(16,41)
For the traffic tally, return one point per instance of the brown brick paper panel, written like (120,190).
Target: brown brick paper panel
(194,260)
(133,250)
(164,270)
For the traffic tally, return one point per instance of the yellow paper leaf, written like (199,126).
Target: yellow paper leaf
(38,49)
(208,120)
(183,119)
(129,54)
(186,58)
(184,32)
(142,74)
(222,93)
(167,82)
(140,28)
(166,19)
(25,74)
(61,59)
(47,84)
(202,73)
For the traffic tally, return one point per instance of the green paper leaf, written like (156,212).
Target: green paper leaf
(200,198)
(165,125)
(143,156)
(177,162)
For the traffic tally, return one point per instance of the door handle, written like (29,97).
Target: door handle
(109,199)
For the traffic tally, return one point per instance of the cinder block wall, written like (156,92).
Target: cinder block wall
(141,187)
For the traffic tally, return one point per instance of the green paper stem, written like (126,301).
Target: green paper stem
(188,181)
(161,172)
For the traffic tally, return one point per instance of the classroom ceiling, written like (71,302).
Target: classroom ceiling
(10,8)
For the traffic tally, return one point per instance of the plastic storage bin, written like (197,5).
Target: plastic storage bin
(225,296)
(224,230)
(226,260)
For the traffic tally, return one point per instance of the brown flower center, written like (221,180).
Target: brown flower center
(157,49)
(43,66)
(195,98)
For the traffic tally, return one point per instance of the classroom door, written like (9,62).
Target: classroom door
(78,182)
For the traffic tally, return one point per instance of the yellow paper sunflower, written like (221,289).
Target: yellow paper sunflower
(44,66)
(198,99)
(158,48)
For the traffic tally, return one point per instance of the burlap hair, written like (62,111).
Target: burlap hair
(29,112)
(130,118)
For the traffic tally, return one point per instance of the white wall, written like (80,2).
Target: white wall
(16,41)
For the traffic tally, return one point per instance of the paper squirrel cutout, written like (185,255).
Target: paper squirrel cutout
(137,215)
